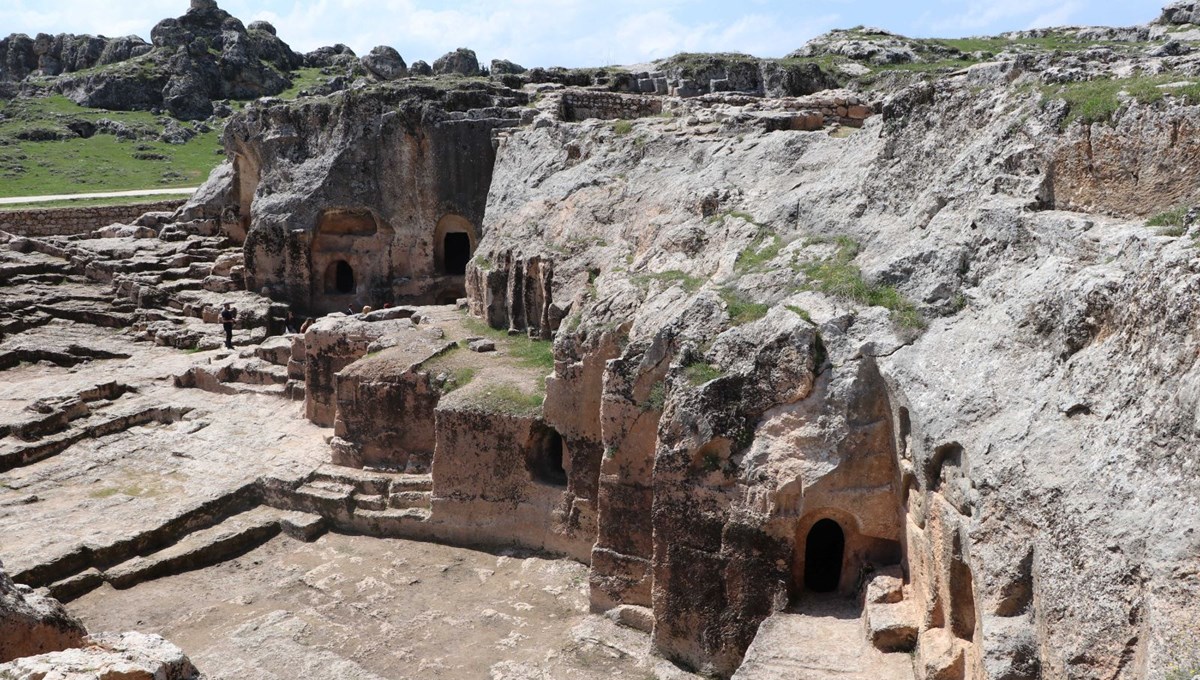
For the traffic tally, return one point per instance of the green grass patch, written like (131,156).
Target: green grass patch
(459,377)
(509,399)
(537,354)
(686,281)
(622,127)
(759,254)
(1097,101)
(741,310)
(303,79)
(1170,222)
(72,164)
(701,372)
(837,276)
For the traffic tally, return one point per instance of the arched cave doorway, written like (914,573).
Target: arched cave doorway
(823,555)
(339,278)
(454,242)
(457,252)
(546,464)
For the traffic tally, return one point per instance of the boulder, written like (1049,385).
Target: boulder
(327,56)
(385,63)
(501,67)
(420,68)
(462,62)
(1177,13)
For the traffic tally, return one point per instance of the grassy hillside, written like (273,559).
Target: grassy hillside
(42,153)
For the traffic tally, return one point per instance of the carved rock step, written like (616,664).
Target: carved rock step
(374,482)
(823,638)
(229,539)
(91,429)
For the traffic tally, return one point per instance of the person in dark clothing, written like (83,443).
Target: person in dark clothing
(228,316)
(292,324)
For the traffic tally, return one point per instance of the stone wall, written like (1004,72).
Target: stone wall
(70,221)
(583,104)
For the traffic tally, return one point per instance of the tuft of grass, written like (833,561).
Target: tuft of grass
(701,372)
(303,79)
(741,310)
(622,127)
(800,312)
(838,277)
(759,253)
(1170,222)
(509,399)
(657,397)
(459,377)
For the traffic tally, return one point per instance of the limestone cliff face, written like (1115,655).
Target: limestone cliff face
(356,199)
(1021,453)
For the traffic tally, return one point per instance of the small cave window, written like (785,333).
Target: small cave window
(823,554)
(547,463)
(339,278)
(456,252)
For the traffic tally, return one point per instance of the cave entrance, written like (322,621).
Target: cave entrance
(546,464)
(339,278)
(823,555)
(457,250)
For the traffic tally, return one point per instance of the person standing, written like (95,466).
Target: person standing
(228,316)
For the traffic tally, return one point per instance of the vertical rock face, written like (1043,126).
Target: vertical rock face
(367,198)
(749,457)
(33,624)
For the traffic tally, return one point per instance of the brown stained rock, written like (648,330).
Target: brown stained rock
(32,624)
(333,343)
(386,401)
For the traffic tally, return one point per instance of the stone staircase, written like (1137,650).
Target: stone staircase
(371,502)
(822,637)
(223,529)
(263,370)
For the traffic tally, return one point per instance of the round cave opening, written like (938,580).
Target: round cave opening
(823,554)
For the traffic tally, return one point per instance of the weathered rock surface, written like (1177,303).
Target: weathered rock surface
(32,624)
(132,656)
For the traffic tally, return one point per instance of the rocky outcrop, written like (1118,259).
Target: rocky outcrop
(1178,13)
(52,55)
(203,55)
(461,61)
(327,230)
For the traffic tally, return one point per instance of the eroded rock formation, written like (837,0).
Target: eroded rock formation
(907,356)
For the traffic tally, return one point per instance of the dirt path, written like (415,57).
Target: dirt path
(181,191)
(369,608)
